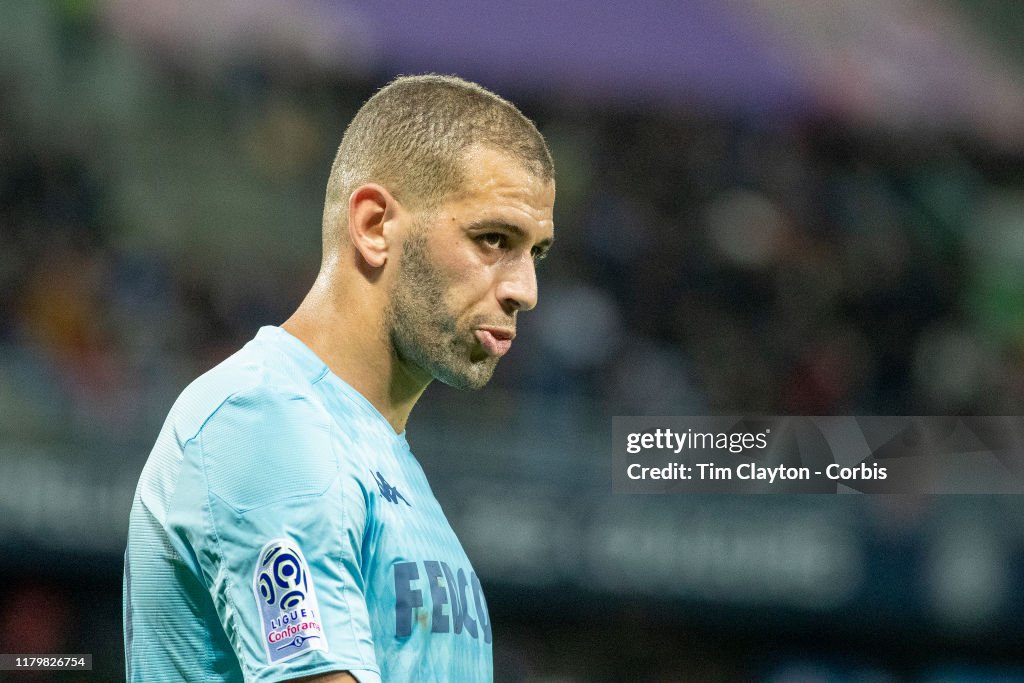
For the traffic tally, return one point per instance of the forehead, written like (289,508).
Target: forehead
(495,183)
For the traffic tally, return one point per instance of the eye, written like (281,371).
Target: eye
(495,240)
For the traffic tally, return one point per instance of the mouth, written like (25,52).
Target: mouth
(496,341)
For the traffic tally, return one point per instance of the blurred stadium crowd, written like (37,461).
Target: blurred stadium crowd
(153,216)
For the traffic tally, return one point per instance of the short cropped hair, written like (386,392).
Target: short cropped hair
(411,137)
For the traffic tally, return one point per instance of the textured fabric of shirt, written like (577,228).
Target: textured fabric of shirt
(281,528)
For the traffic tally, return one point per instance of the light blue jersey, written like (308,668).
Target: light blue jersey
(282,529)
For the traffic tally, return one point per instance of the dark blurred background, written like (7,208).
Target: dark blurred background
(764,206)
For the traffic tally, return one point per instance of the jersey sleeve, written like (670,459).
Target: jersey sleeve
(276,528)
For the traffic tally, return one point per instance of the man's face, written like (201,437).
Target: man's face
(467,269)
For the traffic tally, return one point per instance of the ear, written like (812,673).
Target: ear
(370,209)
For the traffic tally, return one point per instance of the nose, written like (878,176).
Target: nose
(517,288)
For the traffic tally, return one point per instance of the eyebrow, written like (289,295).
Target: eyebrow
(543,246)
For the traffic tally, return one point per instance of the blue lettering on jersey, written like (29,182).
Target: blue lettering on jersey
(458,601)
(481,608)
(406,598)
(438,595)
(389,492)
(446,587)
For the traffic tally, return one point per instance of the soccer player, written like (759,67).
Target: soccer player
(282,528)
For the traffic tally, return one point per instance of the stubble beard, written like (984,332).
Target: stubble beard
(422,329)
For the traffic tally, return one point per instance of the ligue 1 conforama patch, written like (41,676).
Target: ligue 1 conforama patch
(288,607)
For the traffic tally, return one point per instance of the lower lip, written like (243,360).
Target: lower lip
(494,346)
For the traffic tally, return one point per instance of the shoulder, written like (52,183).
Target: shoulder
(257,376)
(258,430)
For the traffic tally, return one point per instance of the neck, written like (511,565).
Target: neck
(354,343)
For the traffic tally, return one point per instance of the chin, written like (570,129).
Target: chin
(472,378)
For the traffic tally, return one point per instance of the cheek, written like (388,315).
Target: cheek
(468,279)
(463,298)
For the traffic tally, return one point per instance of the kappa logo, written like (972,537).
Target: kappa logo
(288,606)
(389,492)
